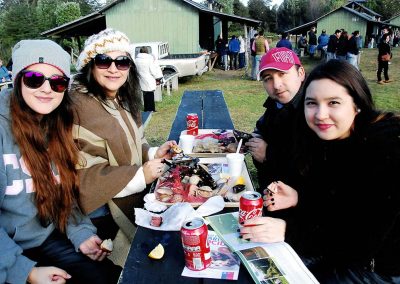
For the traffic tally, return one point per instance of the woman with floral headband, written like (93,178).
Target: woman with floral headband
(44,237)
(118,162)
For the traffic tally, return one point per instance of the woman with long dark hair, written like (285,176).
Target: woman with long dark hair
(118,163)
(44,237)
(344,187)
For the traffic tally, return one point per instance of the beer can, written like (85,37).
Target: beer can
(250,206)
(194,235)
(192,124)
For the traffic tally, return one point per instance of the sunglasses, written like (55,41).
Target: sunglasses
(103,61)
(35,79)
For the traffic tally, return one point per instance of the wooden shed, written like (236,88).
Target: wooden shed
(187,26)
(351,17)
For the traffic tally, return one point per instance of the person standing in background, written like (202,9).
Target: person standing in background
(341,51)
(260,47)
(253,58)
(312,42)
(333,45)
(242,60)
(284,42)
(323,40)
(149,72)
(234,48)
(383,63)
(352,49)
(220,48)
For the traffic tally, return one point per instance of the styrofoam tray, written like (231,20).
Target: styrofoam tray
(224,162)
(206,155)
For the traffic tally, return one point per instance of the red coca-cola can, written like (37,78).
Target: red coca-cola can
(251,205)
(194,235)
(192,124)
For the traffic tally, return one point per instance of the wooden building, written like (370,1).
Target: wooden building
(187,26)
(351,17)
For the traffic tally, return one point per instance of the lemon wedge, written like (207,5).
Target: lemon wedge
(157,252)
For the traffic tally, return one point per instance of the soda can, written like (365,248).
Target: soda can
(251,205)
(192,124)
(194,235)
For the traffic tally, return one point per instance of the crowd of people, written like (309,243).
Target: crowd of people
(74,153)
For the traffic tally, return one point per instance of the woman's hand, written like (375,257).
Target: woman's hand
(278,196)
(153,169)
(264,229)
(48,274)
(164,150)
(257,148)
(91,248)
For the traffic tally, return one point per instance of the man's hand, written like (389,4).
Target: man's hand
(47,275)
(257,148)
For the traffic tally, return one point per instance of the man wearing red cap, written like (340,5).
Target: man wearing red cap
(282,75)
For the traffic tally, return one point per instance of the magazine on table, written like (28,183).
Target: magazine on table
(266,262)
(224,263)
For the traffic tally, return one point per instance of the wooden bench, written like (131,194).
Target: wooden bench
(170,83)
(3,85)
(146,117)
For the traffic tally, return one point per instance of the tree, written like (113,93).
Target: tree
(19,22)
(46,14)
(227,6)
(239,9)
(67,12)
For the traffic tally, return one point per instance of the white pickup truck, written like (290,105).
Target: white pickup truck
(182,64)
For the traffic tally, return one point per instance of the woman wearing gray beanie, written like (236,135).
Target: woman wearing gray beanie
(44,237)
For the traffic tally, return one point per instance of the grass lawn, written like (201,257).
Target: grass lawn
(245,97)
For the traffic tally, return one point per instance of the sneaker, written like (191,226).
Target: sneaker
(388,81)
(381,82)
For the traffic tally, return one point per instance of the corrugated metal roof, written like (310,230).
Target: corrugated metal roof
(365,8)
(100,14)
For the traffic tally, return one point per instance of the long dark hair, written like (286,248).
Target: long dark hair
(352,80)
(128,95)
(42,142)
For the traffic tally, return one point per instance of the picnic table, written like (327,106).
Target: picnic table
(209,105)
(139,268)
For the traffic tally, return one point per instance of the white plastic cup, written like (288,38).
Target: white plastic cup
(235,164)
(186,142)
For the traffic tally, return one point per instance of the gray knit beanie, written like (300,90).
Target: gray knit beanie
(28,52)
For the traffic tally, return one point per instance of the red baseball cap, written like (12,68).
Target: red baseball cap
(279,58)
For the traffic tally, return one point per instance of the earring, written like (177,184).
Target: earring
(358,110)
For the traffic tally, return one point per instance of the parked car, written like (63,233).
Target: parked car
(183,64)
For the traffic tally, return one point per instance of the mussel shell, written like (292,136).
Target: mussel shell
(238,188)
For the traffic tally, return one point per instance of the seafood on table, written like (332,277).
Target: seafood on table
(220,141)
(217,141)
(188,180)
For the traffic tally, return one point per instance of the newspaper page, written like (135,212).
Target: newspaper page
(224,264)
(266,262)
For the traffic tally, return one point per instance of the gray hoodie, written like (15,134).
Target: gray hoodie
(20,228)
